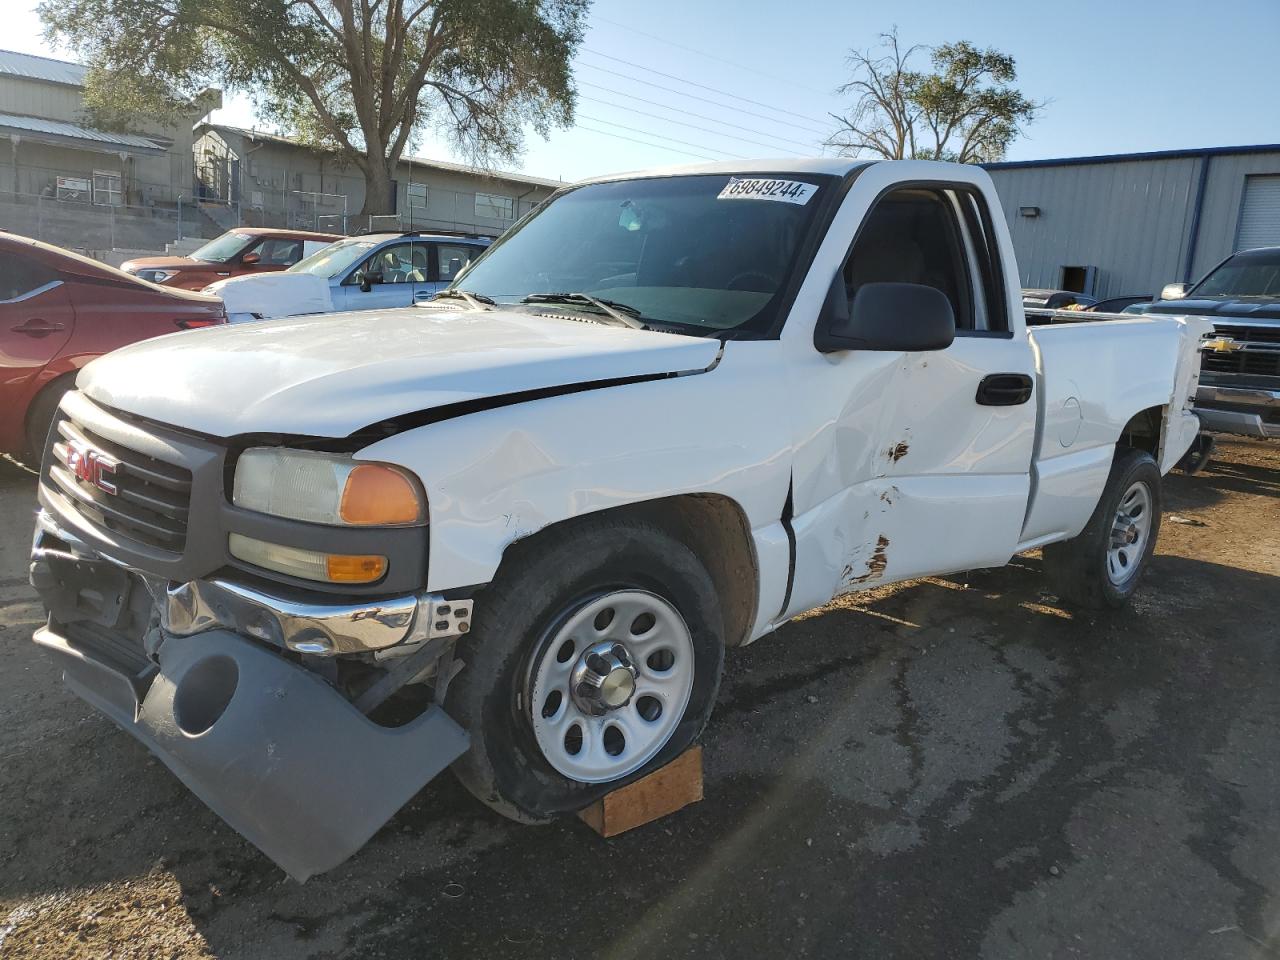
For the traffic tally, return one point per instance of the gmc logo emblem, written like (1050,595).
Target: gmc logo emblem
(92,466)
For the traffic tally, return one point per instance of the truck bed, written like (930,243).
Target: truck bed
(1089,373)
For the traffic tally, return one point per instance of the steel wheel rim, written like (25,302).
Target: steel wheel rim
(619,739)
(1130,533)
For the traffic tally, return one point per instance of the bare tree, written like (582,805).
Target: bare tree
(964,109)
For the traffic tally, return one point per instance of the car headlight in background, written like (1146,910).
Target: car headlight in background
(156,276)
(322,488)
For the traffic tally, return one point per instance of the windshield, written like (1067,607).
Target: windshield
(1244,275)
(333,259)
(222,249)
(708,251)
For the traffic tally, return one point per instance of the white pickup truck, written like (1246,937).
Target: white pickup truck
(312,563)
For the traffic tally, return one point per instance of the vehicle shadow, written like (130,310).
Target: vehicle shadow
(860,769)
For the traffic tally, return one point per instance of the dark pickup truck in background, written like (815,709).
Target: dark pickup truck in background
(1239,388)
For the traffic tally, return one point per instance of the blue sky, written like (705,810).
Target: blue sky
(757,78)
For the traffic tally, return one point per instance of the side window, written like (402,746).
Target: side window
(453,257)
(400,263)
(991,312)
(19,276)
(283,253)
(912,236)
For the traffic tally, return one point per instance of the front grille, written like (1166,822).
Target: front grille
(151,498)
(1259,358)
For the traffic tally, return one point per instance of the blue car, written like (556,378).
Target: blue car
(373,271)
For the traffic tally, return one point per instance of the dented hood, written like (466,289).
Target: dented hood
(330,375)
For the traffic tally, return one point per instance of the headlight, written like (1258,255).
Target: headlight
(157,276)
(324,488)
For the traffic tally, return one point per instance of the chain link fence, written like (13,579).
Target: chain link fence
(113,218)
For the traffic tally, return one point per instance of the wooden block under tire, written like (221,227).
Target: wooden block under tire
(661,793)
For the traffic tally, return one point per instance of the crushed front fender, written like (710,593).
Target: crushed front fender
(276,752)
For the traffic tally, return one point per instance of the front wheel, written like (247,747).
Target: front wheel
(595,657)
(1102,566)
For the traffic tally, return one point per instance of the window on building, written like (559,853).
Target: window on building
(106,188)
(74,188)
(493,207)
(418,195)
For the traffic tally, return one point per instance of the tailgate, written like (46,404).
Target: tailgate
(1181,425)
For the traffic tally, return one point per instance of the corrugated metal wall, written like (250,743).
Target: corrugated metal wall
(1130,219)
(1224,192)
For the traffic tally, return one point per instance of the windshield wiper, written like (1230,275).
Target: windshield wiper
(624,313)
(474,300)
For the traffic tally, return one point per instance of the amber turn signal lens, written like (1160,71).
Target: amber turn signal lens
(375,494)
(349,569)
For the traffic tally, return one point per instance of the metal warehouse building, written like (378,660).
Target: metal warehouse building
(1129,223)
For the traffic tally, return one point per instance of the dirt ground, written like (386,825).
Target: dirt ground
(949,768)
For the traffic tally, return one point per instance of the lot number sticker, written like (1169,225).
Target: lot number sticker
(787,191)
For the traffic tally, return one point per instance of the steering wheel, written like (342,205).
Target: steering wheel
(772,282)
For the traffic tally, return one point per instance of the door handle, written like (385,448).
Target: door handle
(422,295)
(36,327)
(1004,390)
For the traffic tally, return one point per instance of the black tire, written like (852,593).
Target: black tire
(40,417)
(1078,567)
(540,584)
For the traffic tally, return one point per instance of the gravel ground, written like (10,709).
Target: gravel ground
(953,767)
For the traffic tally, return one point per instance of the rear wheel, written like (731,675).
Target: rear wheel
(1103,565)
(595,657)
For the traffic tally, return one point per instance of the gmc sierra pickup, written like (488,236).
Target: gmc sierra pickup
(311,563)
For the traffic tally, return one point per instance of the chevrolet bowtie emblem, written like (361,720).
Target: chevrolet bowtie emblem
(1221,345)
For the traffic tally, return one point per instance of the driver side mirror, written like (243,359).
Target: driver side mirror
(368,280)
(885,316)
(249,259)
(1174,291)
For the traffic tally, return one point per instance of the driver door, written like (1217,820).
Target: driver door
(927,467)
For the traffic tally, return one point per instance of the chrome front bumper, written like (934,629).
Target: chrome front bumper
(318,629)
(1258,418)
(280,754)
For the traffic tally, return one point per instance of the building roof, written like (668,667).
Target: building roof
(1193,152)
(72,134)
(264,136)
(30,66)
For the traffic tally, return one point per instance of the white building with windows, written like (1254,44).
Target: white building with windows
(271,179)
(54,151)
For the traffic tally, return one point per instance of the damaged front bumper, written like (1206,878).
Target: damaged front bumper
(276,751)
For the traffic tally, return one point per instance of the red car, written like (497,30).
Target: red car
(235,253)
(59,310)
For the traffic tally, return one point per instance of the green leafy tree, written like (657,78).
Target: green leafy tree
(359,77)
(964,109)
